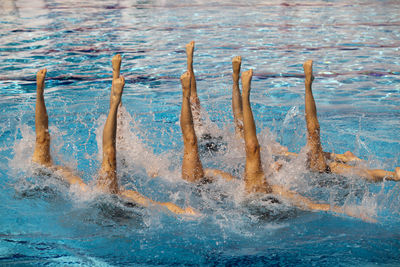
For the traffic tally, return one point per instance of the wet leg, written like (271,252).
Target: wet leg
(373,175)
(316,159)
(41,154)
(236,97)
(192,169)
(116,66)
(108,173)
(347,156)
(194,99)
(254,175)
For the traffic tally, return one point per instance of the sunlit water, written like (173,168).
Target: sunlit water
(355,48)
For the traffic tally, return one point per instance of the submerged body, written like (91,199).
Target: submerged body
(357,45)
(317,159)
(320,161)
(255,179)
(107,179)
(192,168)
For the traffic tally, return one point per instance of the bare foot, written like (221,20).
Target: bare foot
(185,81)
(236,63)
(117,89)
(307,66)
(40,76)
(190,49)
(246,82)
(116,65)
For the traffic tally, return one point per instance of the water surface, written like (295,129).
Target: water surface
(355,48)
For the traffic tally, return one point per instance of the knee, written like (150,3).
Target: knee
(252,147)
(109,151)
(191,140)
(313,128)
(313,134)
(43,137)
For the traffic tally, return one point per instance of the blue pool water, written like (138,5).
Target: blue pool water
(355,48)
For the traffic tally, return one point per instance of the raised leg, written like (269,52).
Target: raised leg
(194,99)
(116,66)
(108,173)
(41,155)
(192,169)
(236,97)
(254,175)
(316,159)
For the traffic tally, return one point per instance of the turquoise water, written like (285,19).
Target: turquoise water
(355,48)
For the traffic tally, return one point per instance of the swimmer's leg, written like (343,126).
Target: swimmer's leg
(212,174)
(306,203)
(347,156)
(316,158)
(343,158)
(108,173)
(194,99)
(373,175)
(236,97)
(254,175)
(192,169)
(41,154)
(136,197)
(116,66)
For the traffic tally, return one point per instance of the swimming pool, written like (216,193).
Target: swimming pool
(355,49)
